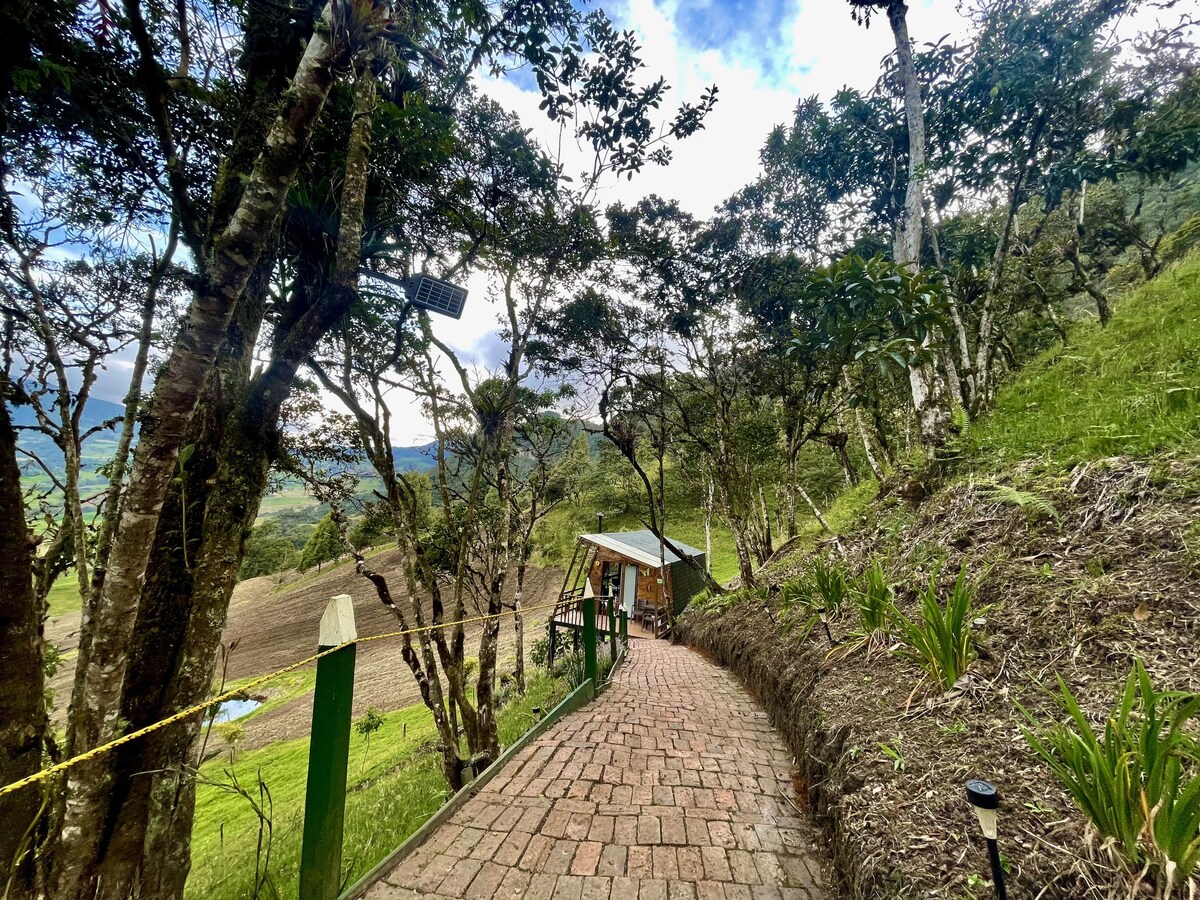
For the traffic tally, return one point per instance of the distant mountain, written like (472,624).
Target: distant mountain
(415,459)
(97,412)
(97,449)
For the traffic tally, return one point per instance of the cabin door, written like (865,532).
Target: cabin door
(629,577)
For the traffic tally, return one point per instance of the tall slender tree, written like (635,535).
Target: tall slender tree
(930,397)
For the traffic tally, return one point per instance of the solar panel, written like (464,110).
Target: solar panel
(427,292)
(437,296)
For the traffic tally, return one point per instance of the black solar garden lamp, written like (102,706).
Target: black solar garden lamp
(426,292)
(824,617)
(986,802)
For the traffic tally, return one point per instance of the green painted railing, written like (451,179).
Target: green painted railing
(590,670)
(329,745)
(328,756)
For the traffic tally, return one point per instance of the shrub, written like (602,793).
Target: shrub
(1139,785)
(795,592)
(716,604)
(539,651)
(798,604)
(367,726)
(823,586)
(829,585)
(268,551)
(939,639)
(570,666)
(873,600)
(233,733)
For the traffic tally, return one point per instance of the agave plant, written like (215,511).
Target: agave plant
(939,638)
(1139,783)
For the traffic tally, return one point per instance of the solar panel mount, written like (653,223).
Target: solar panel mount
(426,292)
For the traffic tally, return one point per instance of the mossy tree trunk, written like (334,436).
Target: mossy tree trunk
(22,703)
(226,260)
(926,383)
(242,438)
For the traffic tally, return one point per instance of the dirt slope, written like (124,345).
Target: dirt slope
(273,621)
(1111,576)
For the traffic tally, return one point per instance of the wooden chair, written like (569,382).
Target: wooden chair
(642,611)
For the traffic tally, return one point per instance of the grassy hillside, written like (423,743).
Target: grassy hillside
(392,790)
(1131,389)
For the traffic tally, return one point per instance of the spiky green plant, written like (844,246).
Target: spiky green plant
(939,638)
(798,605)
(795,592)
(873,599)
(1139,784)
(823,585)
(830,585)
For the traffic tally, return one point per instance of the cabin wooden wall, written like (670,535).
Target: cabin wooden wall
(649,590)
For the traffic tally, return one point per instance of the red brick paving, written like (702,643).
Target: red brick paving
(671,785)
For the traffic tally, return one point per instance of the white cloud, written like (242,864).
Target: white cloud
(764,57)
(761,74)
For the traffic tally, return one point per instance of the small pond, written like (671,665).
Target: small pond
(235,709)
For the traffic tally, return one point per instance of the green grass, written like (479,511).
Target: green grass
(846,509)
(1130,389)
(391,793)
(64,596)
(289,498)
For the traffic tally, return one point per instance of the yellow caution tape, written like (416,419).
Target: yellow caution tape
(231,694)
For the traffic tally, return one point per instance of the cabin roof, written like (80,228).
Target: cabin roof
(640,546)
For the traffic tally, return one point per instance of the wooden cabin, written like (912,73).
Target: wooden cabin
(625,570)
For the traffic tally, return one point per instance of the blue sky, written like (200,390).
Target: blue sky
(719,24)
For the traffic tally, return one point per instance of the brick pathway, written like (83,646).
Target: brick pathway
(668,786)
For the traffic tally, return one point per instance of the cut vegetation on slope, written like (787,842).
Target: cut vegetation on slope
(1074,505)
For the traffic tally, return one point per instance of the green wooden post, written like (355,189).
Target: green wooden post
(612,626)
(328,756)
(624,628)
(589,642)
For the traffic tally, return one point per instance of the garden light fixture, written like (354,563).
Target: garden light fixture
(986,802)
(825,624)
